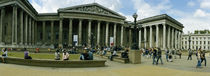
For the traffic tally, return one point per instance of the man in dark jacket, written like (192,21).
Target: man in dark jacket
(159,53)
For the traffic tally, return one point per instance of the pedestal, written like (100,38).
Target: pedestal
(135,56)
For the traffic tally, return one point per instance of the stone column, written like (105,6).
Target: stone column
(26,29)
(164,36)
(150,37)
(43,32)
(115,33)
(175,39)
(145,37)
(98,33)
(52,32)
(89,32)
(35,32)
(60,32)
(70,32)
(80,32)
(14,25)
(121,43)
(2,25)
(29,31)
(107,34)
(169,29)
(32,28)
(140,39)
(172,38)
(157,36)
(130,37)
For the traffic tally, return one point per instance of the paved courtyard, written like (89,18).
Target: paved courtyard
(180,67)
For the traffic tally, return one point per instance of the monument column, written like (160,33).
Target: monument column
(164,36)
(32,28)
(130,37)
(2,25)
(98,33)
(29,31)
(121,36)
(14,25)
(70,32)
(107,34)
(150,37)
(172,39)
(115,33)
(169,29)
(157,36)
(145,37)
(21,27)
(52,32)
(80,32)
(175,39)
(43,32)
(26,29)
(89,32)
(60,32)
(140,39)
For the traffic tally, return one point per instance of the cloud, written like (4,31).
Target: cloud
(191,3)
(205,4)
(47,6)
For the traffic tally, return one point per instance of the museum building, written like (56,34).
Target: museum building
(88,24)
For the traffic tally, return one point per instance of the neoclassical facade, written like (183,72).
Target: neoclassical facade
(22,26)
(196,41)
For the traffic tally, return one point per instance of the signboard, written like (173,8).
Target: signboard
(111,41)
(75,39)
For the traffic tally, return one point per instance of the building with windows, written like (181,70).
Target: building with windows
(196,41)
(89,24)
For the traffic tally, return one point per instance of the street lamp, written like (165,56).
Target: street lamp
(189,39)
(135,46)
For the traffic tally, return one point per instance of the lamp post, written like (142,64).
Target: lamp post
(135,46)
(189,39)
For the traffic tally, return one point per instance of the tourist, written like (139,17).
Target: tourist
(167,54)
(65,55)
(84,56)
(179,53)
(154,52)
(124,54)
(203,57)
(199,58)
(37,50)
(174,53)
(57,55)
(159,53)
(190,54)
(170,57)
(147,53)
(104,51)
(113,54)
(4,54)
(90,55)
(26,54)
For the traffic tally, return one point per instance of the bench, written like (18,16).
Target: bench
(54,63)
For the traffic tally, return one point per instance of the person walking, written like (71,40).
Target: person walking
(159,56)
(203,58)
(154,52)
(167,54)
(199,59)
(190,54)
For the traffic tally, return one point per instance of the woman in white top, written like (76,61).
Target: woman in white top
(4,55)
(65,55)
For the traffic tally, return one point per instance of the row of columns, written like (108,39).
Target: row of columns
(172,33)
(26,29)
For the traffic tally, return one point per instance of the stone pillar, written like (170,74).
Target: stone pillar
(2,25)
(43,32)
(115,33)
(98,33)
(172,38)
(60,32)
(157,36)
(21,27)
(32,28)
(140,39)
(14,25)
(35,32)
(121,43)
(52,32)
(80,32)
(150,37)
(29,31)
(169,29)
(164,36)
(175,39)
(145,37)
(70,32)
(130,37)
(89,32)
(26,29)
(107,34)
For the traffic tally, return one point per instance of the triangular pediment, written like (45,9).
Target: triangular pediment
(93,8)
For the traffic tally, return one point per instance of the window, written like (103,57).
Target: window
(196,42)
(200,42)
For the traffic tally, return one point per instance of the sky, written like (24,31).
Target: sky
(193,14)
